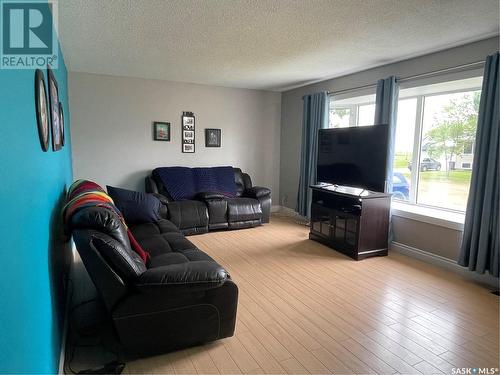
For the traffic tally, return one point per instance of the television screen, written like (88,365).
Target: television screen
(354,156)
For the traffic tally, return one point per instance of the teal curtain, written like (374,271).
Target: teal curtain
(480,242)
(314,117)
(386,108)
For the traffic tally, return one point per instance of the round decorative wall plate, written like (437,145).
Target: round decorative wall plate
(61,121)
(41,106)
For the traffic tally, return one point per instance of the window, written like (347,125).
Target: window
(339,117)
(435,131)
(468,148)
(366,114)
(354,111)
(435,134)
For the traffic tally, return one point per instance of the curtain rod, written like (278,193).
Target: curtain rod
(477,64)
(473,65)
(373,85)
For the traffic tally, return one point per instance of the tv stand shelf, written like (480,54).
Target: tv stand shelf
(352,221)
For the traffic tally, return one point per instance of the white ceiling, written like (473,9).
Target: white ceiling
(262,44)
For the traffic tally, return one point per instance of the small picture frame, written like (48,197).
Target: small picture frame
(188,147)
(188,122)
(188,132)
(188,136)
(212,137)
(161,131)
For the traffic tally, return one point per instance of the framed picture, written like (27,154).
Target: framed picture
(162,131)
(188,136)
(212,137)
(188,132)
(41,107)
(54,111)
(188,121)
(61,120)
(188,148)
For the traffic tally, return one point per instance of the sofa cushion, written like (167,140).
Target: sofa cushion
(217,211)
(136,207)
(143,231)
(178,242)
(188,214)
(167,259)
(244,224)
(190,255)
(160,237)
(166,244)
(155,244)
(195,255)
(243,209)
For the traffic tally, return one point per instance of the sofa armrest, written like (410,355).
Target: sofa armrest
(203,196)
(258,192)
(183,277)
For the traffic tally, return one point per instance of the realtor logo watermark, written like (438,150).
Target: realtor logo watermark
(474,370)
(28,34)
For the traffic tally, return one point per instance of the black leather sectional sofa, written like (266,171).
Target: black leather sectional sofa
(211,210)
(182,297)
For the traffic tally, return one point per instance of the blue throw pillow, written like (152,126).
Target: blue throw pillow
(135,206)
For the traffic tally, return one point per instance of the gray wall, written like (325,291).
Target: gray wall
(112,134)
(291,117)
(428,237)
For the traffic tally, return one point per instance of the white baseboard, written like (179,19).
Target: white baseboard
(443,262)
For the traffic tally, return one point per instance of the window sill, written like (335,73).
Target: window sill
(443,218)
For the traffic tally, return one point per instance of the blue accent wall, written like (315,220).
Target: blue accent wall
(35,256)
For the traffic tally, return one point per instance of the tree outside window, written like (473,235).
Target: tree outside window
(454,129)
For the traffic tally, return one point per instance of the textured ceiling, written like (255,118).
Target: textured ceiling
(261,44)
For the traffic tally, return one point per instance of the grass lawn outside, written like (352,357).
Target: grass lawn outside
(401,160)
(455,177)
(438,188)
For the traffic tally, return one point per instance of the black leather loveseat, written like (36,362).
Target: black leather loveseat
(212,210)
(181,298)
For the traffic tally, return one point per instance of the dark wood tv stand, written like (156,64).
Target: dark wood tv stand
(352,221)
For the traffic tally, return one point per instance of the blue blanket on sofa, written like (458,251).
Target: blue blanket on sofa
(184,183)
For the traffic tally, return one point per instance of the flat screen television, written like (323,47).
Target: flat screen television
(354,156)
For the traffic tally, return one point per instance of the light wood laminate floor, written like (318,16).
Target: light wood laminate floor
(304,308)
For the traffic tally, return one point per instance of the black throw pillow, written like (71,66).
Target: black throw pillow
(135,206)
